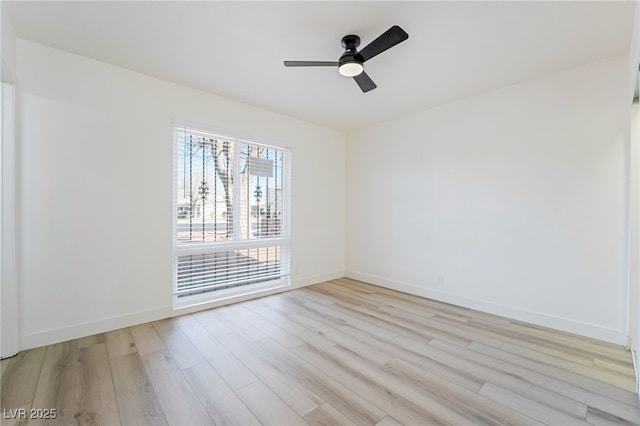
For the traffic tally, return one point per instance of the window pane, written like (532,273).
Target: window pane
(203,273)
(261,192)
(204,189)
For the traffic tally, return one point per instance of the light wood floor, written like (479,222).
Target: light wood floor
(337,353)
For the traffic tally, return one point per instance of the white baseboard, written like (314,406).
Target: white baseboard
(539,318)
(315,279)
(75,331)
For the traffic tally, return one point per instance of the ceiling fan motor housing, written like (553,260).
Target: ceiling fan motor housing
(350,41)
(350,44)
(349,65)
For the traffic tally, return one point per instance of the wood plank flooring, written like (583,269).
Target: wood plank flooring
(337,353)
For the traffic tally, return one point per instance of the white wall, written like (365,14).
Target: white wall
(96,191)
(634,50)
(8,43)
(517,197)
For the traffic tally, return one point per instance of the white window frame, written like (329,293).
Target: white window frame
(187,248)
(9,318)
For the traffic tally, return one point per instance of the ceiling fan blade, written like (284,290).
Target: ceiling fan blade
(310,64)
(387,40)
(365,82)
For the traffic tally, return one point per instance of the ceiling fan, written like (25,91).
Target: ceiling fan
(351,63)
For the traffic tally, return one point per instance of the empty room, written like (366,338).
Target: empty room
(320,213)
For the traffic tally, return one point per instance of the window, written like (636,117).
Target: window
(231,216)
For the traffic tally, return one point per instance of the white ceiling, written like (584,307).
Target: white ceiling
(235,49)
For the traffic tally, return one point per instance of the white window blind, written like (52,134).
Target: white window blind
(231,216)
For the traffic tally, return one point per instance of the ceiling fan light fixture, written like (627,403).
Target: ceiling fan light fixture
(350,69)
